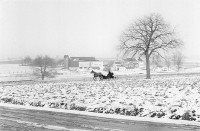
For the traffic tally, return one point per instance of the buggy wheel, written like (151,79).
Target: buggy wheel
(96,78)
(101,77)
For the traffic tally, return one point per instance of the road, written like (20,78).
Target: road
(13,119)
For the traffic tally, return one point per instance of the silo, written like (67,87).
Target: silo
(66,62)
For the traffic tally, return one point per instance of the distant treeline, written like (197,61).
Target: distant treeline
(11,62)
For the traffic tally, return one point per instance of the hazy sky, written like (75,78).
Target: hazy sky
(87,27)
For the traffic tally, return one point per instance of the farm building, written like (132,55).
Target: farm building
(75,61)
(85,62)
(130,63)
(91,64)
(117,65)
(141,63)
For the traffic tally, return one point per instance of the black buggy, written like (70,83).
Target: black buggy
(100,76)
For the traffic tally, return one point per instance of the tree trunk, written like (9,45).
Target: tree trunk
(147,67)
(178,68)
(42,76)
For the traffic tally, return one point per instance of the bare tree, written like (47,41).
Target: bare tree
(167,62)
(27,60)
(147,36)
(156,60)
(178,59)
(44,66)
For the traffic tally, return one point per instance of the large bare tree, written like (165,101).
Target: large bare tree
(44,66)
(147,36)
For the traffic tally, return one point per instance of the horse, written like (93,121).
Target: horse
(96,75)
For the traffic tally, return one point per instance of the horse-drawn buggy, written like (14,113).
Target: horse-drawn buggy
(100,76)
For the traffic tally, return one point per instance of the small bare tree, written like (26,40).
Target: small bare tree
(27,60)
(167,62)
(156,60)
(147,36)
(44,66)
(178,59)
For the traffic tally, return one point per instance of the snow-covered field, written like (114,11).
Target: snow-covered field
(14,72)
(176,97)
(9,69)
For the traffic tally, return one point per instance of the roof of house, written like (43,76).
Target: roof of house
(140,59)
(130,59)
(117,62)
(83,58)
